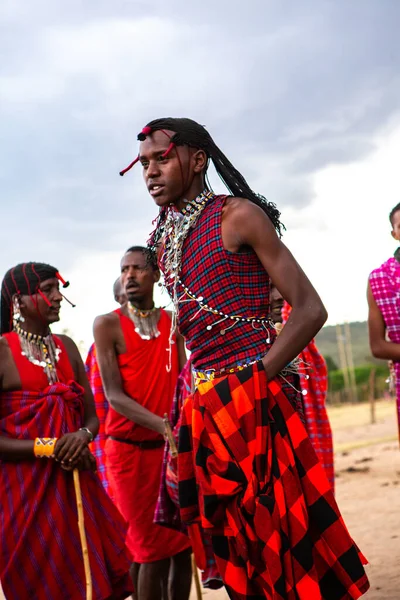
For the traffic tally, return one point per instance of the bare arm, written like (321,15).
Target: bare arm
(182,358)
(105,335)
(246,224)
(380,347)
(90,419)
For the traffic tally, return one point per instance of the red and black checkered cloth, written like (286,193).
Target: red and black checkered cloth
(248,472)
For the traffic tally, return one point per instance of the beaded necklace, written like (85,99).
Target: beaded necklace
(145,321)
(177,227)
(41,351)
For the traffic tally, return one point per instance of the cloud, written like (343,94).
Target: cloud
(286,90)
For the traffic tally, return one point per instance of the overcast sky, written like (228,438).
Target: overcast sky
(303,97)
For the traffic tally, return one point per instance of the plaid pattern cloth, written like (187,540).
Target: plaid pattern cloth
(385,287)
(232,284)
(314,380)
(249,474)
(102,406)
(167,511)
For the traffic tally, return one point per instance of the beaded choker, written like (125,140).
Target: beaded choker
(177,227)
(145,321)
(40,350)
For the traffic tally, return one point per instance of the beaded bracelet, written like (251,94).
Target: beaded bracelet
(44,447)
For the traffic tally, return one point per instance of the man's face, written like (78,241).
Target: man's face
(167,179)
(37,309)
(138,277)
(276,305)
(396,225)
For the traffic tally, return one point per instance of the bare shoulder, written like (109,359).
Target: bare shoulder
(107,321)
(4,348)
(245,224)
(243,213)
(107,330)
(70,346)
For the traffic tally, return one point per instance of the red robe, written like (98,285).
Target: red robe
(134,471)
(40,550)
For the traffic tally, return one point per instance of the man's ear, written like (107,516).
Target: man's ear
(157,276)
(17,298)
(200,161)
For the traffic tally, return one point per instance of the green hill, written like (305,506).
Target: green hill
(328,345)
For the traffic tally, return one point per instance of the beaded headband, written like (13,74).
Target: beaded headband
(141,137)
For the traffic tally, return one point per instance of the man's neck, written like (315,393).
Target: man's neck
(34,327)
(145,304)
(190,195)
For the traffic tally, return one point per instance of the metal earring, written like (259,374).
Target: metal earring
(17,317)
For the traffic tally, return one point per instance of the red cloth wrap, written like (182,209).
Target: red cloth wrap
(40,549)
(248,472)
(134,473)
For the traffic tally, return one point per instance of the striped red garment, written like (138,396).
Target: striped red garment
(314,381)
(248,472)
(40,550)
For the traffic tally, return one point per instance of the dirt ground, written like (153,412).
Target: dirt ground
(367,461)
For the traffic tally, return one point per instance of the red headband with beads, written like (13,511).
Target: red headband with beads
(141,137)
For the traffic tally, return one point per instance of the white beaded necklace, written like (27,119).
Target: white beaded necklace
(41,351)
(145,321)
(177,227)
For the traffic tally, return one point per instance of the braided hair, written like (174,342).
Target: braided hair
(24,279)
(150,255)
(190,133)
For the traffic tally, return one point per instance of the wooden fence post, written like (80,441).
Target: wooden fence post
(371,385)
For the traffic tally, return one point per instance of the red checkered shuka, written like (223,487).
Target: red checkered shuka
(314,381)
(233,284)
(249,474)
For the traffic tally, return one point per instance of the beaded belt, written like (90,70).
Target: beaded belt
(210,374)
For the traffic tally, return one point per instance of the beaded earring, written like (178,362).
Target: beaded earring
(17,317)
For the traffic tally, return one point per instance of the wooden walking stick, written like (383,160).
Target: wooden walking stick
(197,583)
(82,534)
(170,437)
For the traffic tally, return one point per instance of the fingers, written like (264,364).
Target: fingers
(87,462)
(69,448)
(75,451)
